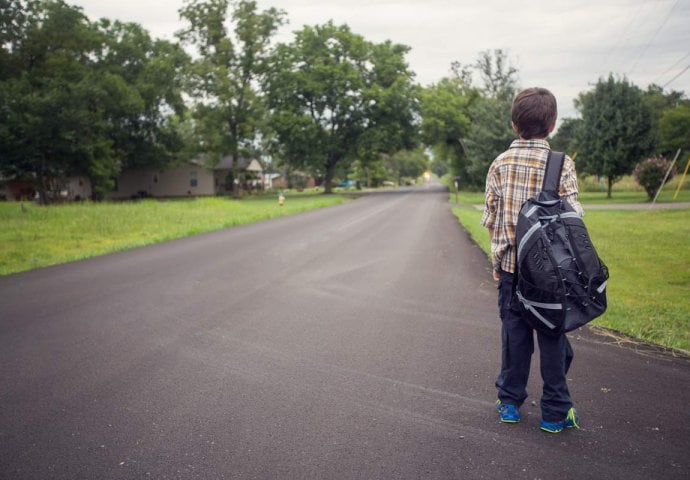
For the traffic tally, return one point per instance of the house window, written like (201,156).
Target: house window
(192,179)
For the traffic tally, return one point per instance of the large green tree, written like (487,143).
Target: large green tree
(659,101)
(335,97)
(80,98)
(674,128)
(616,130)
(562,140)
(51,120)
(491,132)
(148,75)
(232,42)
(445,109)
(469,125)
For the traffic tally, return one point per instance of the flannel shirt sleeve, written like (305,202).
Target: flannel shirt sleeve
(569,185)
(490,200)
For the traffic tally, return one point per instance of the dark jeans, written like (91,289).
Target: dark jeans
(517,339)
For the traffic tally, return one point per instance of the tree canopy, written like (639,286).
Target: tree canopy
(674,128)
(616,130)
(470,125)
(82,98)
(224,77)
(333,96)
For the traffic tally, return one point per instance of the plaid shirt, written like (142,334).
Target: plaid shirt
(514,176)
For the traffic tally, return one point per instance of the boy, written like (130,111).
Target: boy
(514,176)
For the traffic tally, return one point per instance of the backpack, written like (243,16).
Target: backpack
(560,281)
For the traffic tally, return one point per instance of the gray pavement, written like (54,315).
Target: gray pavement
(359,341)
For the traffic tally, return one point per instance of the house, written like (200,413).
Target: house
(190,179)
(76,188)
(274,180)
(251,167)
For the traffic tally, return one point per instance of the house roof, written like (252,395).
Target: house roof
(251,165)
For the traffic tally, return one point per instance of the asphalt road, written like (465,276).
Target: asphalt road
(355,342)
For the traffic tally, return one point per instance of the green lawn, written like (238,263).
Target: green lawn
(649,262)
(42,236)
(599,198)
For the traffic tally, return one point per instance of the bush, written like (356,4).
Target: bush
(650,172)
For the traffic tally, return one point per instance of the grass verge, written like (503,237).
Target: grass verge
(649,263)
(41,236)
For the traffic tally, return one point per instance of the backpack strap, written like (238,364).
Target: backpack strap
(552,175)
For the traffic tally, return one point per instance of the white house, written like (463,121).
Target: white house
(191,179)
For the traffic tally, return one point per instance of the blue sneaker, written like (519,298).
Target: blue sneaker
(572,420)
(507,413)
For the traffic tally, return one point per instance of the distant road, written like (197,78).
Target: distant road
(355,342)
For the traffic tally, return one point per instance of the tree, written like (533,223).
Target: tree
(491,132)
(148,73)
(659,102)
(466,125)
(498,76)
(335,97)
(489,135)
(51,118)
(407,164)
(225,75)
(652,172)
(674,128)
(81,98)
(445,109)
(616,130)
(562,141)
(394,103)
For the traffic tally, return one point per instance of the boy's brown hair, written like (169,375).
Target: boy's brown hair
(534,113)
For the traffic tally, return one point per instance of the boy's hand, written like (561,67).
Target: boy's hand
(497,276)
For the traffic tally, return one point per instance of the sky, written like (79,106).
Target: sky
(563,45)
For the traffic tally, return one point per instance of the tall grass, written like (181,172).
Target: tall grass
(648,257)
(32,236)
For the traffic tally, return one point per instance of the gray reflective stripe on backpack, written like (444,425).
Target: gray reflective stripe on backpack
(570,215)
(529,305)
(527,236)
(531,211)
(602,287)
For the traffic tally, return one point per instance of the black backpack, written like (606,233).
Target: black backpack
(560,281)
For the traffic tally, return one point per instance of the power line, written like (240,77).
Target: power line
(626,34)
(644,51)
(671,67)
(679,74)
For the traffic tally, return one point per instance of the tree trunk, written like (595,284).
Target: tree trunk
(328,179)
(610,186)
(234,150)
(41,185)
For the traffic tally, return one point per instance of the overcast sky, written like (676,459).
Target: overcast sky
(564,45)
